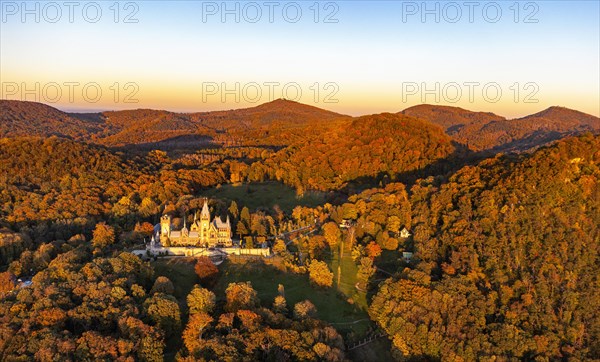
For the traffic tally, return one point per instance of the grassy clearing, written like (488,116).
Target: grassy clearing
(331,305)
(347,315)
(344,277)
(266,195)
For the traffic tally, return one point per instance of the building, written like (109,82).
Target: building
(203,232)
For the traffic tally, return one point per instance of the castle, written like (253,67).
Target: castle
(203,232)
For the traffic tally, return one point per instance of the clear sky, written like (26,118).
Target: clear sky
(354,57)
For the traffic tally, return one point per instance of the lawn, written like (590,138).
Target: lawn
(348,269)
(181,272)
(266,195)
(332,306)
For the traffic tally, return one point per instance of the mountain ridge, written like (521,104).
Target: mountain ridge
(282,122)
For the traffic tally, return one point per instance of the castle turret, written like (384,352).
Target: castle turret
(165,226)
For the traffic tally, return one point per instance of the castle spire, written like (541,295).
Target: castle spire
(205,214)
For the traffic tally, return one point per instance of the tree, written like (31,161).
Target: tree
(7,282)
(104,235)
(144,228)
(245,216)
(206,270)
(373,250)
(332,234)
(320,274)
(349,211)
(233,209)
(316,246)
(201,300)
(240,296)
(162,285)
(357,252)
(241,229)
(305,309)
(192,335)
(163,311)
(148,207)
(280,304)
(279,247)
(258,226)
(393,223)
(366,269)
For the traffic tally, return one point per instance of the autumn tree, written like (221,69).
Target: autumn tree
(366,270)
(104,235)
(332,234)
(164,285)
(320,274)
(280,304)
(241,229)
(7,282)
(317,244)
(373,250)
(196,326)
(233,209)
(206,270)
(245,217)
(240,296)
(201,300)
(163,311)
(304,309)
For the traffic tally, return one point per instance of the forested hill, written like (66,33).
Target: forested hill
(382,145)
(506,261)
(20,118)
(276,122)
(44,179)
(487,131)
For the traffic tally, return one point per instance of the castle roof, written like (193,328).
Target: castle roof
(219,224)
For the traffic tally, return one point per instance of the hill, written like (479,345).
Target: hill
(368,147)
(506,258)
(274,123)
(21,118)
(279,123)
(450,119)
(487,131)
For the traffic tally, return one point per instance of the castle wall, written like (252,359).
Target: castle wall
(195,252)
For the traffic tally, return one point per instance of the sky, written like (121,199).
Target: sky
(512,58)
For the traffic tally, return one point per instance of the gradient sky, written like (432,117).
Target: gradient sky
(377,57)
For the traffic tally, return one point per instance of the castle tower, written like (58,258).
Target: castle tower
(205,214)
(165,227)
(204,222)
